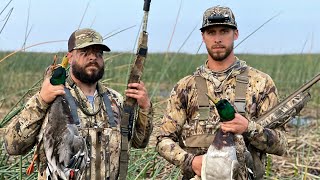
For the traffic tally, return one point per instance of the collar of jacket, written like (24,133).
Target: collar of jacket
(236,68)
(71,84)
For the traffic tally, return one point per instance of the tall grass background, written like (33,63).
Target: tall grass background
(21,74)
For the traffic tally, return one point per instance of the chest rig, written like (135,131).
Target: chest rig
(204,141)
(240,93)
(254,159)
(97,140)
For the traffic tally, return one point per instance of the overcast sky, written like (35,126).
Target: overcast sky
(295,30)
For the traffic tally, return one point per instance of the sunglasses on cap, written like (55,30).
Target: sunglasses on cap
(219,18)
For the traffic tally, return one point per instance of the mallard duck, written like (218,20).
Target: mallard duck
(64,147)
(59,73)
(220,161)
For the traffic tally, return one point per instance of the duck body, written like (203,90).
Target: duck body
(64,147)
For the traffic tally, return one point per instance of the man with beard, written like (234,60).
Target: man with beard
(98,120)
(190,122)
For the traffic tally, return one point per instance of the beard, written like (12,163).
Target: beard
(81,74)
(220,56)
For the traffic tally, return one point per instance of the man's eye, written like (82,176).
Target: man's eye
(100,53)
(225,31)
(83,53)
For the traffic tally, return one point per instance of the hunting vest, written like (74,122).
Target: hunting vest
(204,140)
(97,141)
(254,158)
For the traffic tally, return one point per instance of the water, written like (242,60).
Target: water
(300,121)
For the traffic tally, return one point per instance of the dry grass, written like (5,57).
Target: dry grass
(301,161)
(302,158)
(289,72)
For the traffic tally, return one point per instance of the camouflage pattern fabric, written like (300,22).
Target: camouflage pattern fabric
(218,15)
(25,129)
(86,37)
(182,121)
(285,113)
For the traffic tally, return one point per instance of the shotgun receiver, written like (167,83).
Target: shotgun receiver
(130,104)
(282,113)
(278,116)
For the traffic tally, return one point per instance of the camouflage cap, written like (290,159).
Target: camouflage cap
(218,15)
(85,37)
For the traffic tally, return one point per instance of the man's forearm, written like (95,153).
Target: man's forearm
(23,129)
(272,141)
(173,153)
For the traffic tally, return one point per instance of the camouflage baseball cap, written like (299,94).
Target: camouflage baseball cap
(85,37)
(218,15)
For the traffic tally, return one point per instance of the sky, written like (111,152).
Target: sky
(296,29)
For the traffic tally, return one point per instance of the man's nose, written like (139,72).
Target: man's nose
(93,55)
(217,39)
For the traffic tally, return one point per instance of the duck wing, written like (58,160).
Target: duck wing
(62,142)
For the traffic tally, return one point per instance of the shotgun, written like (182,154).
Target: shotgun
(291,106)
(130,104)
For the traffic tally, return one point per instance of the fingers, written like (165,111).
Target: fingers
(132,91)
(49,92)
(238,125)
(197,164)
(139,92)
(225,128)
(138,86)
(136,89)
(136,93)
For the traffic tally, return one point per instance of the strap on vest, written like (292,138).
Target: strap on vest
(72,105)
(202,89)
(107,103)
(203,101)
(242,81)
(74,112)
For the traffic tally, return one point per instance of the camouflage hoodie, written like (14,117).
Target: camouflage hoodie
(182,122)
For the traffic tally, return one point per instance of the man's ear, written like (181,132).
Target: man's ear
(236,34)
(69,55)
(202,34)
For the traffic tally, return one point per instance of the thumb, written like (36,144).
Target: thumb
(48,72)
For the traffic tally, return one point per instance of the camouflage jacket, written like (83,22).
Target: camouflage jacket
(25,130)
(181,120)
